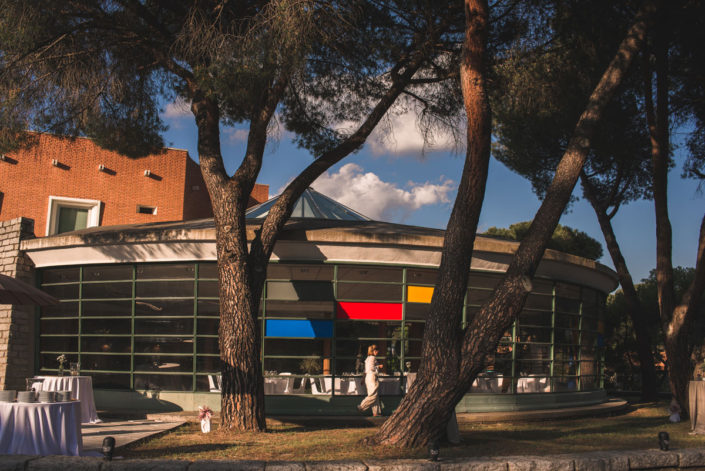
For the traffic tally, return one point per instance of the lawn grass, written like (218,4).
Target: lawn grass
(637,428)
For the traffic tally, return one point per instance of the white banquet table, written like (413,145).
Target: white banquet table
(40,429)
(82,388)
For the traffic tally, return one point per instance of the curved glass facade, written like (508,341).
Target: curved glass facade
(155,326)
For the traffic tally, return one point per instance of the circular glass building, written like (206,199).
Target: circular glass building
(139,311)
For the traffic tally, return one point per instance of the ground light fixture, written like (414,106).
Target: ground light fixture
(663,441)
(433,451)
(108,448)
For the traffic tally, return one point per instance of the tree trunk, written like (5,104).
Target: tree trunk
(649,381)
(424,412)
(674,319)
(242,391)
(446,374)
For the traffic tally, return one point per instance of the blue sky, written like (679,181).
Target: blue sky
(392,180)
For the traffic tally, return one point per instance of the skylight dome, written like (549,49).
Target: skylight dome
(312,205)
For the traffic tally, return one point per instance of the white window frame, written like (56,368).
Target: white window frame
(56,202)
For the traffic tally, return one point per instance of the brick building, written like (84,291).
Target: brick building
(65,184)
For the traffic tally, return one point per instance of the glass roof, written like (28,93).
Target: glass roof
(311,204)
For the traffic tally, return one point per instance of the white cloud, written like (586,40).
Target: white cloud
(176,110)
(366,193)
(402,136)
(237,135)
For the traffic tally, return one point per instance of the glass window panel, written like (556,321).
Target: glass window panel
(421,276)
(208,307)
(589,339)
(304,309)
(533,351)
(165,271)
(588,353)
(567,291)
(483,280)
(533,334)
(470,313)
(351,348)
(566,305)
(416,311)
(157,345)
(568,336)
(71,219)
(62,291)
(565,384)
(590,297)
(206,364)
(163,364)
(567,321)
(106,327)
(207,326)
(367,273)
(164,307)
(362,329)
(297,347)
(106,308)
(63,309)
(208,270)
(164,326)
(369,292)
(111,380)
(589,323)
(164,382)
(207,345)
(297,366)
(588,383)
(412,348)
(350,366)
(58,344)
(565,368)
(565,352)
(277,271)
(414,330)
(539,301)
(60,275)
(537,318)
(105,362)
(107,290)
(208,289)
(542,286)
(588,368)
(58,326)
(477,296)
(106,344)
(300,290)
(533,368)
(107,272)
(164,289)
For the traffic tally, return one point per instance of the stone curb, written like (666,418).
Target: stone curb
(692,459)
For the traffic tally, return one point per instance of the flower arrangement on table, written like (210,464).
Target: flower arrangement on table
(62,361)
(204,415)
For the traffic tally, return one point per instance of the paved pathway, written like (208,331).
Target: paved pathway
(124,432)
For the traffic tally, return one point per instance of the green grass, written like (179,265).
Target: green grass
(637,428)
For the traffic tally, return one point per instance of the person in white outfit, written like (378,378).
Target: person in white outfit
(371,383)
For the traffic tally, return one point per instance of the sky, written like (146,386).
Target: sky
(394,179)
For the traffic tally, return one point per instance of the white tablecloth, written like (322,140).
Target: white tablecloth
(82,388)
(40,429)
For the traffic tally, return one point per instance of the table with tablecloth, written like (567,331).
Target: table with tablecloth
(40,429)
(82,389)
(696,398)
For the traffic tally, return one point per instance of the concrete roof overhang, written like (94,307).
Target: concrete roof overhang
(315,240)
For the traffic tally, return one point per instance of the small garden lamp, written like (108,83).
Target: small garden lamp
(433,450)
(663,441)
(108,448)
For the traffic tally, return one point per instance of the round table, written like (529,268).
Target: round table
(40,429)
(82,388)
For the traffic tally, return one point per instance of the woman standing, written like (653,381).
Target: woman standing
(371,383)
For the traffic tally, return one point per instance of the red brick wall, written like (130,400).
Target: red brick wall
(28,178)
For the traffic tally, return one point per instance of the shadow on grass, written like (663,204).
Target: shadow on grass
(127,452)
